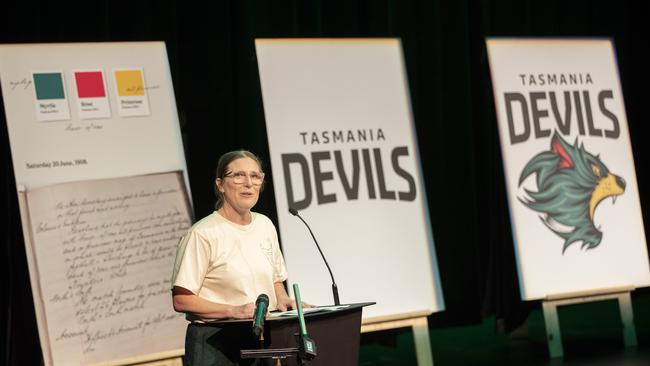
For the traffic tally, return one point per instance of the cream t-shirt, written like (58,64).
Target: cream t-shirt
(231,264)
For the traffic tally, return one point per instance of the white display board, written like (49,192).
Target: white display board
(84,112)
(570,176)
(58,135)
(344,154)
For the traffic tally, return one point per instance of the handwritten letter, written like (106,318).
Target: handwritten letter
(105,251)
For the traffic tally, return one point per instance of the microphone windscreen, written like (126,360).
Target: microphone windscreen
(262,299)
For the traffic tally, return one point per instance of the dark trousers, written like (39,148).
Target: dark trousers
(208,345)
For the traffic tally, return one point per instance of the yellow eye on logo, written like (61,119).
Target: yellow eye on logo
(595,169)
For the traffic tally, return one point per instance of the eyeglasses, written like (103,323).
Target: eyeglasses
(241,177)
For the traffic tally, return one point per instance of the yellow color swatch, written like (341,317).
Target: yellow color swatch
(129,83)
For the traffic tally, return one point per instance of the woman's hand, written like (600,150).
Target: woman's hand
(287,303)
(284,301)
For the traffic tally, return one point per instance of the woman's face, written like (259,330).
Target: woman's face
(240,196)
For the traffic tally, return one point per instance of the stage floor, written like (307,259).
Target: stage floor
(591,335)
(517,352)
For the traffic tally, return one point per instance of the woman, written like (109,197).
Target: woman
(225,261)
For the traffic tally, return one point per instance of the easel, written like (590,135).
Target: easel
(416,320)
(552,322)
(167,358)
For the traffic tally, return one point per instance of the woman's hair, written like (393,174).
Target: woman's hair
(222,165)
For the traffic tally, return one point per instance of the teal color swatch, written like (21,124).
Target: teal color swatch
(49,86)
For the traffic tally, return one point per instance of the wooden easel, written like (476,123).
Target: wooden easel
(416,320)
(552,322)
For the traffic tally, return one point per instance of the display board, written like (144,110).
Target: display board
(78,113)
(344,154)
(570,176)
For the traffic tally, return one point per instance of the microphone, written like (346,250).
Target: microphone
(261,305)
(306,346)
(335,289)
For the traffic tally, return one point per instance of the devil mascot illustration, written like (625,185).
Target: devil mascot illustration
(571,182)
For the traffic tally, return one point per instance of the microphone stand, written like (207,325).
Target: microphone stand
(335,289)
(306,350)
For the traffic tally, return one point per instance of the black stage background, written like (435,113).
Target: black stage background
(211,52)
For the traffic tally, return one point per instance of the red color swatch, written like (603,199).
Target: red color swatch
(90,84)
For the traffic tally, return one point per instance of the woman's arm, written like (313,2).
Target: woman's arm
(185,301)
(284,301)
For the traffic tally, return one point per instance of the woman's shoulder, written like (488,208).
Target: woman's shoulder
(260,218)
(206,224)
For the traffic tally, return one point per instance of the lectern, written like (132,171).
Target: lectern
(337,334)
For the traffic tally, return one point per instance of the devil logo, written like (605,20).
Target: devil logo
(571,183)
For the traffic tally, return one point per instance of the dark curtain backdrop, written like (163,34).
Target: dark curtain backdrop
(214,69)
